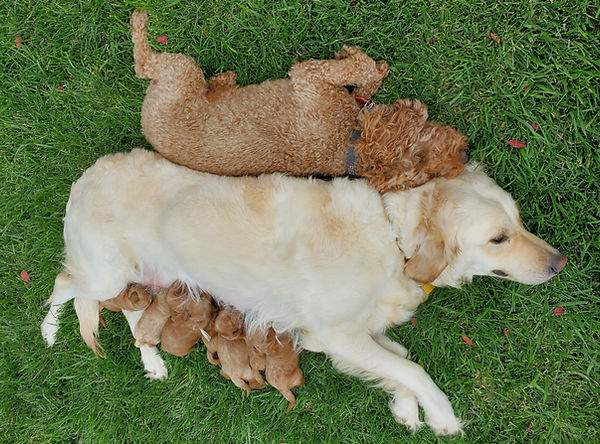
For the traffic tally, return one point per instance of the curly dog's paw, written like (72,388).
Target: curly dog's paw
(346,51)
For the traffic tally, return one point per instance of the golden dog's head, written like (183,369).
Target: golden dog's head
(469,226)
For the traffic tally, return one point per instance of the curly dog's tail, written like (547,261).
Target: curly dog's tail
(146,59)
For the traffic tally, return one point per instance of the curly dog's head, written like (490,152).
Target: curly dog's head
(404,150)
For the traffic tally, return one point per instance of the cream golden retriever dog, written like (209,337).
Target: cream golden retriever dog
(334,263)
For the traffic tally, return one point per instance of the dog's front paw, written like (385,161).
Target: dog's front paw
(446,425)
(406,412)
(346,51)
(382,68)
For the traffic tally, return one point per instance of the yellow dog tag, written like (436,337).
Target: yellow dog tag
(427,288)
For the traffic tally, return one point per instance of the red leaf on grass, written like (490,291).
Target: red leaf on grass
(162,39)
(516,143)
(529,428)
(526,87)
(506,330)
(559,311)
(413,321)
(494,37)
(535,126)
(25,276)
(467,340)
(205,32)
(18,45)
(18,41)
(60,88)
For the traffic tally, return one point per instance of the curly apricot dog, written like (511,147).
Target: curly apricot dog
(308,124)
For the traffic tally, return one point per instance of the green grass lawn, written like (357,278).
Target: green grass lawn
(69,95)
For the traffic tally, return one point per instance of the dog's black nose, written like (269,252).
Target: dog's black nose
(557,263)
(464,155)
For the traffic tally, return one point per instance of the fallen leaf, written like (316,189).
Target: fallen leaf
(529,428)
(414,322)
(205,32)
(516,143)
(162,39)
(18,39)
(559,311)
(506,330)
(467,340)
(18,45)
(494,37)
(61,88)
(535,126)
(526,87)
(25,276)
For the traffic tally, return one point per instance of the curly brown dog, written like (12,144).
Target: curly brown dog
(305,125)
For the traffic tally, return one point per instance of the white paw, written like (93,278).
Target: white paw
(153,364)
(49,330)
(446,425)
(406,412)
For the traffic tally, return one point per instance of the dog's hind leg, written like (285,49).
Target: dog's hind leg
(177,69)
(153,363)
(63,291)
(359,355)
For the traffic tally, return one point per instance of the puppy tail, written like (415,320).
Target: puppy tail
(88,312)
(145,57)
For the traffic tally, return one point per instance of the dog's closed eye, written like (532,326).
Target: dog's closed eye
(499,239)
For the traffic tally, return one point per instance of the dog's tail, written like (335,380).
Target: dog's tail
(146,59)
(88,312)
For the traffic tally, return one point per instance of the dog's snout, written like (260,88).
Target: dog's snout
(464,155)
(557,263)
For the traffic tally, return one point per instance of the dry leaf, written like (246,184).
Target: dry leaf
(494,37)
(516,143)
(467,340)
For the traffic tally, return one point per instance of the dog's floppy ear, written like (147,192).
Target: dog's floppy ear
(429,260)
(435,247)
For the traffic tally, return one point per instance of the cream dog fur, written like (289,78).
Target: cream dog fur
(322,260)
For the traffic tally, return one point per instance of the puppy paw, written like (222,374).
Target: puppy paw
(406,412)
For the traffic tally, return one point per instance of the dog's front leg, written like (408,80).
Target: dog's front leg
(153,363)
(360,355)
(355,68)
(390,345)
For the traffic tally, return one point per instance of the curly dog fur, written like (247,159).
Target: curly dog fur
(301,125)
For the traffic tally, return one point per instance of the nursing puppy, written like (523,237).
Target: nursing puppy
(322,260)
